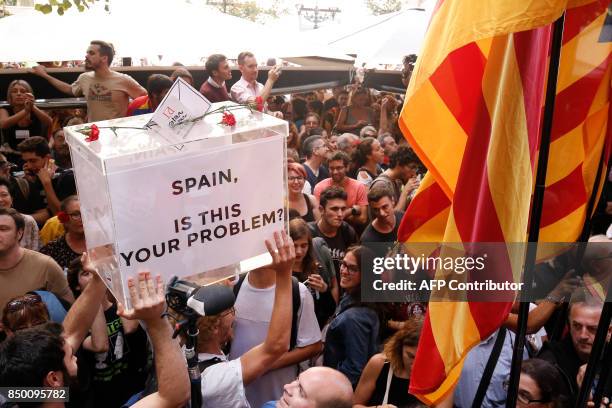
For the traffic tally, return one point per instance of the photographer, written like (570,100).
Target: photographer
(224,381)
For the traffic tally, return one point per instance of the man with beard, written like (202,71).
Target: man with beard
(43,356)
(356,212)
(107,92)
(22,270)
(47,184)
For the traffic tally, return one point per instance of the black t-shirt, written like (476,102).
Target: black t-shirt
(345,237)
(120,372)
(17,134)
(35,198)
(371,235)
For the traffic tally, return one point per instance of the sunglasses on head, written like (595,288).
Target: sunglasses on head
(20,302)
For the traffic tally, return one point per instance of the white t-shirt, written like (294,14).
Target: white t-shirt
(253,313)
(222,384)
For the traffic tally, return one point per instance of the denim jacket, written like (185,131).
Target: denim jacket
(352,338)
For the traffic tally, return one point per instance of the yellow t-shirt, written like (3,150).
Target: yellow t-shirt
(53,229)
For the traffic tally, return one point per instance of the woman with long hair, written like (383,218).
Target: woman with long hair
(367,159)
(305,204)
(357,114)
(21,119)
(313,266)
(352,335)
(386,377)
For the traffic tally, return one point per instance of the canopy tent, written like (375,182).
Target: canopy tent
(181,31)
(385,40)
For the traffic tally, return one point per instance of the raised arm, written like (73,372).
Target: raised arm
(59,85)
(149,304)
(81,315)
(97,341)
(259,359)
(273,76)
(36,111)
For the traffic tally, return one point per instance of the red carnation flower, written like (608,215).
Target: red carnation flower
(228,119)
(63,217)
(94,134)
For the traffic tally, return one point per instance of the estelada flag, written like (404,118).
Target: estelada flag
(473,114)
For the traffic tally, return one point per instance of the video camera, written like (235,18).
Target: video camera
(192,300)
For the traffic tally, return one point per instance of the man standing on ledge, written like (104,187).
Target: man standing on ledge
(107,92)
(247,88)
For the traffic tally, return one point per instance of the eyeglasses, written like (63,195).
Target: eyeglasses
(75,216)
(230,311)
(20,302)
(295,178)
(524,397)
(350,268)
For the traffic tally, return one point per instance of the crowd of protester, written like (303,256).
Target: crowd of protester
(299,334)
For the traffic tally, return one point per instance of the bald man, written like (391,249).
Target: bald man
(317,387)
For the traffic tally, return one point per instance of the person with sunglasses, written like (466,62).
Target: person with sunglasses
(353,334)
(72,244)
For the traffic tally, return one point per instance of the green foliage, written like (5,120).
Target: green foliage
(249,9)
(378,7)
(60,6)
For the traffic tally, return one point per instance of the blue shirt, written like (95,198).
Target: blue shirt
(474,366)
(352,338)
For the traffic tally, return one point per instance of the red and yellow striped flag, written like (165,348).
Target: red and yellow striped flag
(580,122)
(472,114)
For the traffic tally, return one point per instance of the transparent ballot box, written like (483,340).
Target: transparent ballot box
(198,205)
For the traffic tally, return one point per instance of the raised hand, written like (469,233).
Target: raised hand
(282,252)
(147,296)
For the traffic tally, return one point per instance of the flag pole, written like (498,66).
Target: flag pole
(582,244)
(598,346)
(603,374)
(536,210)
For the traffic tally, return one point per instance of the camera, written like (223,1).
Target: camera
(192,300)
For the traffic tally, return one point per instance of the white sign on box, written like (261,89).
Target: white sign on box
(216,209)
(181,104)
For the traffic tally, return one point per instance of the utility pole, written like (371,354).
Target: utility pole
(223,3)
(317,15)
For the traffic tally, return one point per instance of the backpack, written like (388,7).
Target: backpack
(295,292)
